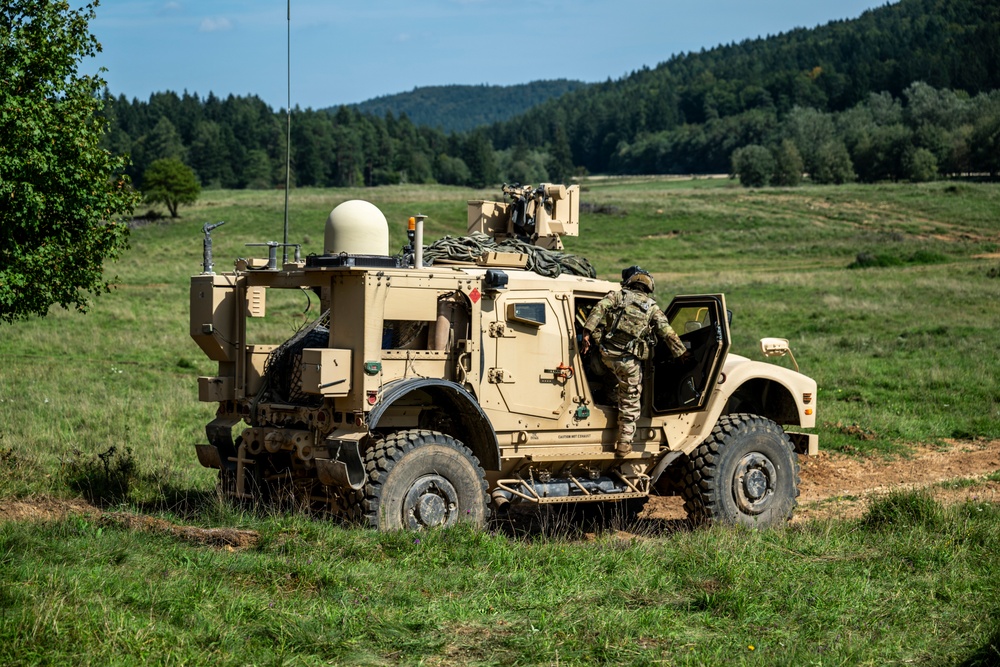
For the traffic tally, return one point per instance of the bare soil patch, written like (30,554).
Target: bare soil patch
(55,509)
(44,509)
(835,485)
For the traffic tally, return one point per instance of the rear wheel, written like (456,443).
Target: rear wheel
(746,473)
(422,479)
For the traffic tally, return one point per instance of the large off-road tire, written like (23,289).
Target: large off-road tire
(745,473)
(422,479)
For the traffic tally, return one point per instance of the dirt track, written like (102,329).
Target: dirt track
(832,486)
(837,485)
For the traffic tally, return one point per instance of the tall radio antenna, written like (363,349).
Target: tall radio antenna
(288,131)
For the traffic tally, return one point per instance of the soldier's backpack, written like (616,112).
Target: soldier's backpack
(631,330)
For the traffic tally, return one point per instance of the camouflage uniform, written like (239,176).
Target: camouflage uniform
(620,324)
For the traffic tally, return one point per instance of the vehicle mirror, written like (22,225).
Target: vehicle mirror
(774,347)
(777,347)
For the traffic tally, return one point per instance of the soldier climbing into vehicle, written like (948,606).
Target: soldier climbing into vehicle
(624,326)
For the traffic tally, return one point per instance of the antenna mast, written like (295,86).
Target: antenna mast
(288,131)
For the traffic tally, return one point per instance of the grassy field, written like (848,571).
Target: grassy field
(890,296)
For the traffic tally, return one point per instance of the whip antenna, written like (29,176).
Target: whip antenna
(288,130)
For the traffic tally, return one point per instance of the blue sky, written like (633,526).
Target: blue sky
(345,52)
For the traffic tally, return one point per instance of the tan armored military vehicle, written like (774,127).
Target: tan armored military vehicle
(434,390)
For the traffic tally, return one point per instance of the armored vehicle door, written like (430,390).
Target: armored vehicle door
(531,369)
(702,323)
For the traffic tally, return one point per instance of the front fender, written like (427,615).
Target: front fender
(780,394)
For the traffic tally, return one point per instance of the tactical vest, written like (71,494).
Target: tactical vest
(630,330)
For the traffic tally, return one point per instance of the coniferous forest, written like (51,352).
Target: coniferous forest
(908,91)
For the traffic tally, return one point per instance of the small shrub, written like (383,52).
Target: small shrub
(867,260)
(927,257)
(105,478)
(904,509)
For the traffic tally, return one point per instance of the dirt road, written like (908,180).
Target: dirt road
(832,485)
(837,485)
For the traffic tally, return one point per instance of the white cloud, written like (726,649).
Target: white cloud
(172,7)
(215,24)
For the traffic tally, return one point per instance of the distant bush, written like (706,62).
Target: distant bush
(920,165)
(754,165)
(788,165)
(833,164)
(927,257)
(866,260)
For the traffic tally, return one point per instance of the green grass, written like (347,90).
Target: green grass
(904,353)
(913,582)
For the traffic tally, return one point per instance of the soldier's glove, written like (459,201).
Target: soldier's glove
(586,345)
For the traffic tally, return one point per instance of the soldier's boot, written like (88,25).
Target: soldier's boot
(623,443)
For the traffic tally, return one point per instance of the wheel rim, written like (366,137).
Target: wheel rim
(754,483)
(431,501)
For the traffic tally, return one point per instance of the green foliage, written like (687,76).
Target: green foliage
(833,164)
(170,182)
(754,165)
(788,164)
(106,478)
(830,69)
(87,590)
(920,164)
(908,356)
(464,108)
(63,196)
(866,260)
(904,510)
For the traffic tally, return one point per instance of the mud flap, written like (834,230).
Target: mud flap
(345,469)
(208,456)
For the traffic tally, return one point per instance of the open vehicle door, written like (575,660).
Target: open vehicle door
(702,323)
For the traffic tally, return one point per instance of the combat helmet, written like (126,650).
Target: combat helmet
(640,279)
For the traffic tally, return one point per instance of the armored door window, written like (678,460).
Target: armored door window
(701,323)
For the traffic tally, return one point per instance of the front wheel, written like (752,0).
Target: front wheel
(422,479)
(746,473)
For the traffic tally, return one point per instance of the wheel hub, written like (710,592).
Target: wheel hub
(754,483)
(431,501)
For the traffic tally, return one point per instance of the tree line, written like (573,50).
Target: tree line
(239,142)
(704,97)
(905,91)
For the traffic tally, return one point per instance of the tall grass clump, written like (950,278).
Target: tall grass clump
(904,509)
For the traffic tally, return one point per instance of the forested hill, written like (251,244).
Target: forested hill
(949,44)
(461,108)
(907,91)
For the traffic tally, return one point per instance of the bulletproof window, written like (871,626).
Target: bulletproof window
(527,313)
